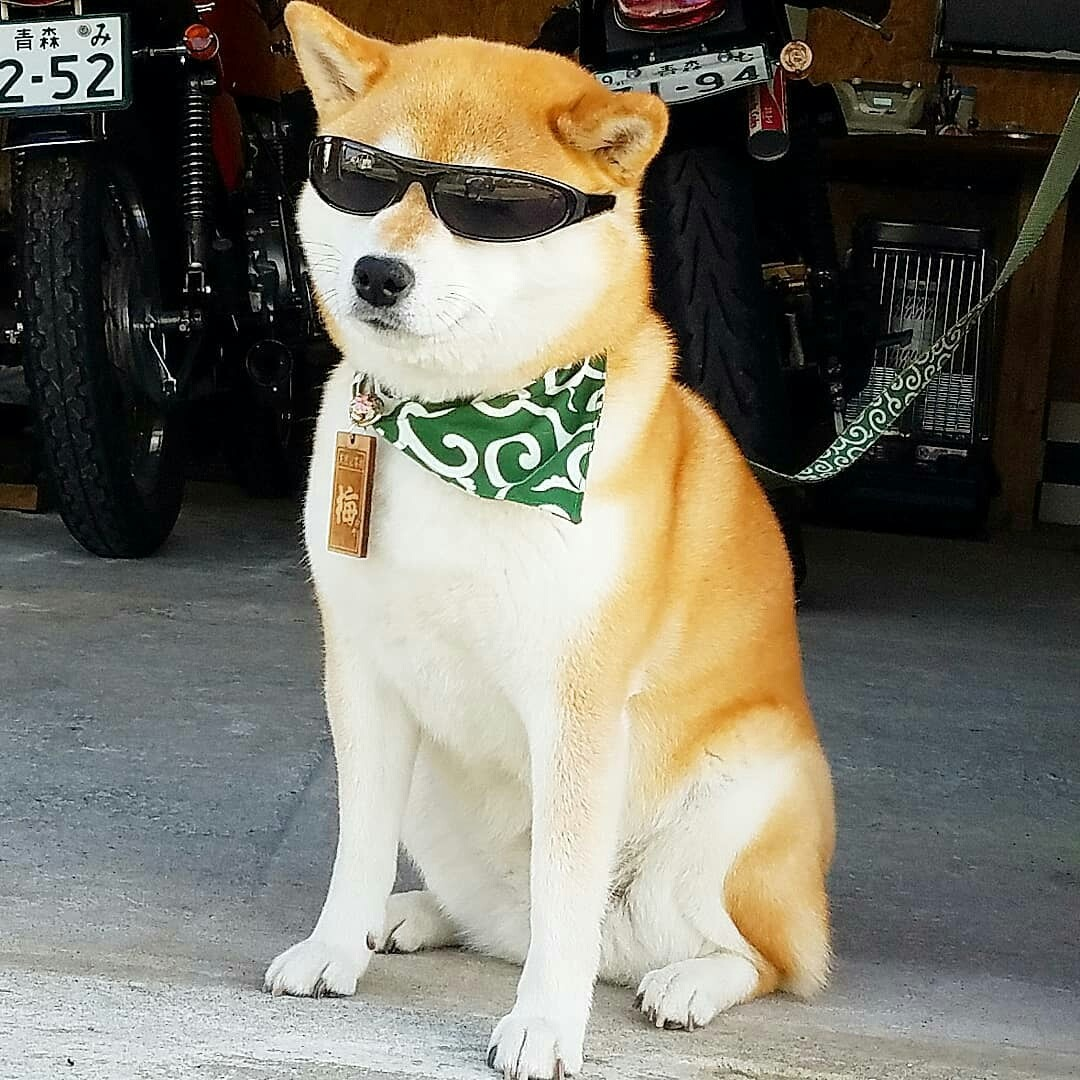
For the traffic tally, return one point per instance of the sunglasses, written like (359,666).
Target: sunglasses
(497,205)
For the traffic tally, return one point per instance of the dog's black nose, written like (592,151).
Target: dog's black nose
(380,281)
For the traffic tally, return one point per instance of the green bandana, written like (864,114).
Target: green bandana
(531,446)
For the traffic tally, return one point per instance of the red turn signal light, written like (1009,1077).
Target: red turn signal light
(201,42)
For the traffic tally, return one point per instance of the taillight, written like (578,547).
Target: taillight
(201,42)
(666,14)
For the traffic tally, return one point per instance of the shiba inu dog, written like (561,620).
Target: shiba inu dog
(566,675)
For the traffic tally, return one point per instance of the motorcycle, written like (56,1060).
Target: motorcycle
(152,198)
(731,70)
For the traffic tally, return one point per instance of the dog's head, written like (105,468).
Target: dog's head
(435,315)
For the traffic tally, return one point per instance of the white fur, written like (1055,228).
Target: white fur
(415,921)
(477,311)
(689,993)
(443,660)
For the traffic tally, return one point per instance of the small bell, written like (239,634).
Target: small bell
(366,406)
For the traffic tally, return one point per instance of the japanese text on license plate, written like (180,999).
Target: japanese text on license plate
(694,77)
(61,65)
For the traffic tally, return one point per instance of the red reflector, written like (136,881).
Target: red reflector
(666,14)
(201,42)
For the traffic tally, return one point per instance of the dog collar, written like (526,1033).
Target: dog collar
(531,446)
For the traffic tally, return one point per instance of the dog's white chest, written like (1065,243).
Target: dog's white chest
(467,606)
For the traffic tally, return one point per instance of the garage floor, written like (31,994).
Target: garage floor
(166,824)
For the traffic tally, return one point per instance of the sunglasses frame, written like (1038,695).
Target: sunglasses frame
(580,204)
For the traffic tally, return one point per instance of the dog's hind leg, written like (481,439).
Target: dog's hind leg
(775,889)
(774,933)
(689,993)
(728,902)
(688,960)
(469,837)
(415,921)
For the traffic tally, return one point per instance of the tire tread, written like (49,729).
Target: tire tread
(66,365)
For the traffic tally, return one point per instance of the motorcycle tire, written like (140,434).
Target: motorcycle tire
(88,279)
(698,212)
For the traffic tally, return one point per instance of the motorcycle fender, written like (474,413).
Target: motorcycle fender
(228,140)
(34,132)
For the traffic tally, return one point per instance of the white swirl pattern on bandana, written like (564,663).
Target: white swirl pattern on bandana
(531,446)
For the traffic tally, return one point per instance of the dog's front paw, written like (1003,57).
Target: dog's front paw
(317,968)
(534,1048)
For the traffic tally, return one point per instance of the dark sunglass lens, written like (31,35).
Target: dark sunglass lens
(353,178)
(483,206)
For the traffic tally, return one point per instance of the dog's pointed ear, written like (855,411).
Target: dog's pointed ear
(337,63)
(623,132)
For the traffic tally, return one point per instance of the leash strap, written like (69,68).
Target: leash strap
(879,415)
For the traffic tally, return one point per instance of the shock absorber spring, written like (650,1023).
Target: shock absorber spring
(197,172)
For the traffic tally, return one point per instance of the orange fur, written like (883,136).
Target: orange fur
(730,685)
(776,890)
(699,636)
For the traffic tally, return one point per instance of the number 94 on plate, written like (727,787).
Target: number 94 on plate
(694,76)
(64,65)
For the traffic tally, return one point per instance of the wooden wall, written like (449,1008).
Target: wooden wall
(1064,383)
(516,21)
(409,20)
(1035,100)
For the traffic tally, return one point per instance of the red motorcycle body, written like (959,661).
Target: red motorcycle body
(247,62)
(247,71)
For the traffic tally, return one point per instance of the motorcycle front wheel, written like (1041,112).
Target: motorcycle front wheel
(91,351)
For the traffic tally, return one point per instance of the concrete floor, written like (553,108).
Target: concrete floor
(166,824)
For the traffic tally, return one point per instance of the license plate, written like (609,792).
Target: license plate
(64,65)
(695,77)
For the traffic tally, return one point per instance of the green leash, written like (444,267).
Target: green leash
(908,383)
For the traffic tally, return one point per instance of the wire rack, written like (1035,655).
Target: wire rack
(923,286)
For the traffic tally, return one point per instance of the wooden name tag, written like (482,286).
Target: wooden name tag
(350,508)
